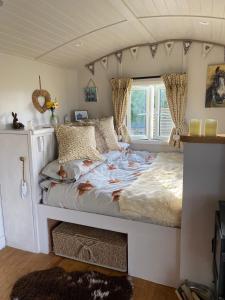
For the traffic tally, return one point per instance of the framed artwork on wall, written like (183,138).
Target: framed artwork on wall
(215,86)
(90,92)
(81,115)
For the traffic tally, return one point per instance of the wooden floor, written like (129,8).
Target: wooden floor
(15,263)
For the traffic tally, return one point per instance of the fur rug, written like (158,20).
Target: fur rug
(56,284)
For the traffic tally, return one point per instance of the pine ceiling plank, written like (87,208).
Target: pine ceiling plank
(128,13)
(88,12)
(142,7)
(119,36)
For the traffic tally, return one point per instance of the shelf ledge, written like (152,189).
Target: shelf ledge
(219,139)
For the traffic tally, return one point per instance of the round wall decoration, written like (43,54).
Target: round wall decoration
(40,98)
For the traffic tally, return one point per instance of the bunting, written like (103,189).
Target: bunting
(206,49)
(153,49)
(91,68)
(186,45)
(134,52)
(169,46)
(104,62)
(119,55)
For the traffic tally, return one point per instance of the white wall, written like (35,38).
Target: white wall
(2,234)
(193,63)
(18,80)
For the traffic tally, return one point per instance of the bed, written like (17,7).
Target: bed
(137,185)
(153,245)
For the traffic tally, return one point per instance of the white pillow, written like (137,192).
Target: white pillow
(70,171)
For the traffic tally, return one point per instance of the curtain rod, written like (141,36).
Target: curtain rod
(146,77)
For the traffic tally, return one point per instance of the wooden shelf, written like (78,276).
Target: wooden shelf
(219,139)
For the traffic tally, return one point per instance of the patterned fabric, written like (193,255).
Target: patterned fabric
(106,128)
(105,135)
(100,140)
(120,94)
(72,170)
(98,191)
(77,143)
(101,144)
(176,88)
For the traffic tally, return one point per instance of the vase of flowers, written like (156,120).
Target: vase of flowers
(52,105)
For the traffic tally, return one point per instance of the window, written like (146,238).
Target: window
(148,114)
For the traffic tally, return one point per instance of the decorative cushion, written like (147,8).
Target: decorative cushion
(72,169)
(100,141)
(77,143)
(106,127)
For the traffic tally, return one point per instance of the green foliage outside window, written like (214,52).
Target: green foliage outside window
(138,111)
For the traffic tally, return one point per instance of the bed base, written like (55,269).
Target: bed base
(153,250)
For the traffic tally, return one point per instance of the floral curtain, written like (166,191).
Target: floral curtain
(121,88)
(176,89)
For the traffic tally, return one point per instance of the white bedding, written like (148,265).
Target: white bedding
(157,193)
(111,188)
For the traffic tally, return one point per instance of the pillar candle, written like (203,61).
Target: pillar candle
(195,127)
(211,127)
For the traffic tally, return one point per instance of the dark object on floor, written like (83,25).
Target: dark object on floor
(16,124)
(193,291)
(56,284)
(218,249)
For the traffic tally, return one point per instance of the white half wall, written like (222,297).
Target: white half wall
(18,80)
(2,233)
(193,63)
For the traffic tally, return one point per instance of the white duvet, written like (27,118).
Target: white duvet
(157,193)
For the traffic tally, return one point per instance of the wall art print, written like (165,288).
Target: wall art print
(215,86)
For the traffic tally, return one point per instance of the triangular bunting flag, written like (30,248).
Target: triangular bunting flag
(91,68)
(119,56)
(169,47)
(134,51)
(187,45)
(104,62)
(206,49)
(153,49)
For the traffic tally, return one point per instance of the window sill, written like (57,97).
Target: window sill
(149,142)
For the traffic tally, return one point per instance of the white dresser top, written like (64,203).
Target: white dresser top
(36,131)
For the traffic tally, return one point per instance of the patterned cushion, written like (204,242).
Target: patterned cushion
(73,170)
(100,140)
(106,127)
(77,143)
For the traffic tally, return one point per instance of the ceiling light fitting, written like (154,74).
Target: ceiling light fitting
(204,23)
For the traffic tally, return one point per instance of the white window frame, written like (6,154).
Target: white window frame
(138,84)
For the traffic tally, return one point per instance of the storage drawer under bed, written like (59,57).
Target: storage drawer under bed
(96,246)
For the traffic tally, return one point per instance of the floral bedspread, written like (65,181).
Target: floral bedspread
(99,190)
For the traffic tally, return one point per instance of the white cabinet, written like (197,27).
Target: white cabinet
(19,213)
(2,234)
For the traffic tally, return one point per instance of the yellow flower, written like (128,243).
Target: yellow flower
(52,105)
(49,104)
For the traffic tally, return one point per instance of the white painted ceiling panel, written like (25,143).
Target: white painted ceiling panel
(191,28)
(102,43)
(50,30)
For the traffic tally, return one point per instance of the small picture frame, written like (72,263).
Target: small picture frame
(81,115)
(90,92)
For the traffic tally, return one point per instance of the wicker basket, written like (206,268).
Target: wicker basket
(96,246)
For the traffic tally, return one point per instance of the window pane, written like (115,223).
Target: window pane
(138,112)
(165,120)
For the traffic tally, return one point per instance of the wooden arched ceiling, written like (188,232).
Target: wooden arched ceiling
(74,32)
